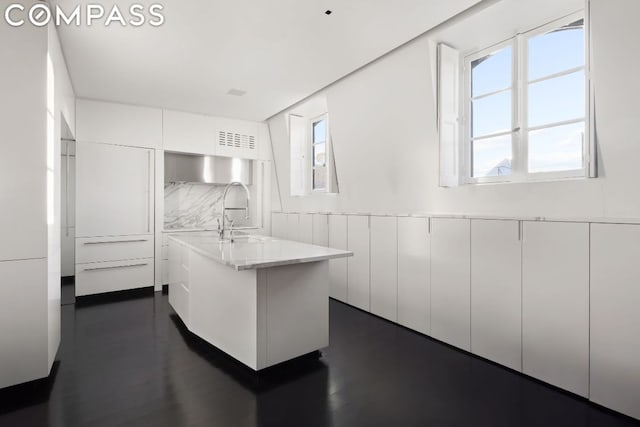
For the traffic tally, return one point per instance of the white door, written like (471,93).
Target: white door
(414,281)
(615,317)
(114,190)
(450,282)
(384,267)
(496,292)
(338,267)
(358,290)
(555,304)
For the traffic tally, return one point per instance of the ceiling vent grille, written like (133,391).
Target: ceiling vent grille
(236,140)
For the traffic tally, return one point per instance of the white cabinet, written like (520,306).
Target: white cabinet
(496,292)
(23,163)
(121,124)
(236,138)
(305,228)
(320,233)
(110,276)
(279,225)
(293,227)
(450,281)
(179,273)
(615,299)
(414,287)
(114,218)
(338,267)
(555,304)
(92,249)
(384,267)
(188,133)
(23,321)
(358,284)
(114,190)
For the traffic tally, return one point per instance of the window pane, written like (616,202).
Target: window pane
(492,157)
(556,149)
(491,73)
(556,51)
(491,114)
(319,131)
(557,99)
(319,154)
(320,178)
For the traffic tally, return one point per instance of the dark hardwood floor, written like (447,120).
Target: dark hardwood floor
(131,363)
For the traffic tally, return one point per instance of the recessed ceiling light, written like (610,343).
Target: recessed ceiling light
(236,92)
(328,12)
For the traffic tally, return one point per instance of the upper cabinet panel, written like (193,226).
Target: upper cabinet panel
(236,138)
(189,133)
(118,124)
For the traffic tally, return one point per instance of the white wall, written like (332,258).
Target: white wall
(383,120)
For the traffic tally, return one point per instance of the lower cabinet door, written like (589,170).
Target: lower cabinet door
(384,267)
(101,277)
(358,290)
(555,304)
(279,225)
(179,300)
(615,317)
(414,274)
(496,291)
(23,321)
(450,281)
(338,267)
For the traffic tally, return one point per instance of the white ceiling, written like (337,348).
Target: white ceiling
(278,51)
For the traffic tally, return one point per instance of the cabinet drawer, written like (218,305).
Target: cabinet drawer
(100,277)
(94,249)
(179,300)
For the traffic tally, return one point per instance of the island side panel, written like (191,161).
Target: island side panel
(223,307)
(297,309)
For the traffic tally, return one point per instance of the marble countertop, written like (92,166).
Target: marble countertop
(199,229)
(252,251)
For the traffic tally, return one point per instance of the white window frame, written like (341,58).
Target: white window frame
(312,166)
(519,127)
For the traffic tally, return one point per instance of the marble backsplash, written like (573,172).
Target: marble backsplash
(195,205)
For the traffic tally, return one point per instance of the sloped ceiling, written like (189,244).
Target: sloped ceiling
(278,51)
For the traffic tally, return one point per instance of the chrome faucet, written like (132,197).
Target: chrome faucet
(225,217)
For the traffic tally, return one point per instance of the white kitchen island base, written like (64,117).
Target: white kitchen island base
(259,316)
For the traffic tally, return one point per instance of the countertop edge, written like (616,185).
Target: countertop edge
(264,264)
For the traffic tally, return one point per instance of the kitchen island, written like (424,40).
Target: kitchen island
(261,300)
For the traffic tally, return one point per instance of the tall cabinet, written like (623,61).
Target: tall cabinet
(496,291)
(555,304)
(615,298)
(414,274)
(114,218)
(384,267)
(358,274)
(450,287)
(338,267)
